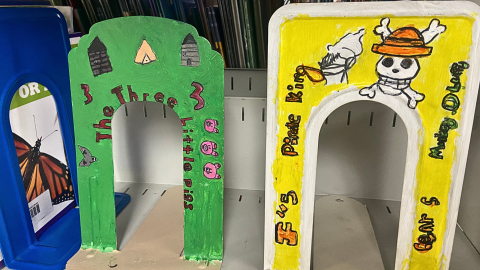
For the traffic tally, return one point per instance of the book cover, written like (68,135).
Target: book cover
(115,9)
(229,18)
(100,12)
(265,16)
(203,16)
(156,8)
(106,10)
(191,12)
(111,8)
(80,15)
(36,131)
(169,9)
(26,3)
(227,44)
(138,7)
(214,42)
(126,8)
(251,32)
(238,34)
(217,27)
(146,7)
(258,26)
(90,11)
(82,20)
(245,33)
(178,10)
(276,4)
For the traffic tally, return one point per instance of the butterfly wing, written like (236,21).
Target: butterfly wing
(46,173)
(56,177)
(24,154)
(35,185)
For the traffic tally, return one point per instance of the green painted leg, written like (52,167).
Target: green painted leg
(97,221)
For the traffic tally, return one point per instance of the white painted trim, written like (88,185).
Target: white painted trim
(465,131)
(372,9)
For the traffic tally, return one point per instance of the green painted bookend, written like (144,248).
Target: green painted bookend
(156,60)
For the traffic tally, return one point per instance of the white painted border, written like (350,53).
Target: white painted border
(364,9)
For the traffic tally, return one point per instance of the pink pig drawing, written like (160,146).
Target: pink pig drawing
(211,125)
(208,148)
(210,170)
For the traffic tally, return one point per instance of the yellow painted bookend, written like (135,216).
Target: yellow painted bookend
(418,58)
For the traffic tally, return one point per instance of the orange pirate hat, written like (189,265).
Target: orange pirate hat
(403,42)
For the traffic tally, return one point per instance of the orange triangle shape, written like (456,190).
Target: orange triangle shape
(145,54)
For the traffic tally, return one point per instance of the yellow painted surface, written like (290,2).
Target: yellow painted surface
(303,41)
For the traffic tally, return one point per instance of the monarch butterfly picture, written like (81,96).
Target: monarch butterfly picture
(41,155)
(41,171)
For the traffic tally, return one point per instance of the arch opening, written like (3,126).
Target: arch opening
(147,157)
(361,156)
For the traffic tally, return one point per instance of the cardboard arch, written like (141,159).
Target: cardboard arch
(371,55)
(142,59)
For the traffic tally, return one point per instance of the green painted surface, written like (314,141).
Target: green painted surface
(162,80)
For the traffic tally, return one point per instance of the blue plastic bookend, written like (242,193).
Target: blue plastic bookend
(121,201)
(33,48)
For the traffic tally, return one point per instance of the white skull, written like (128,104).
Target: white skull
(398,67)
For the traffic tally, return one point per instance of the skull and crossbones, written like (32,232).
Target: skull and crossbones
(398,65)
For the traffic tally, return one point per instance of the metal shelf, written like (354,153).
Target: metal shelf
(244,227)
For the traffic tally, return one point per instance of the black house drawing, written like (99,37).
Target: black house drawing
(98,57)
(190,55)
